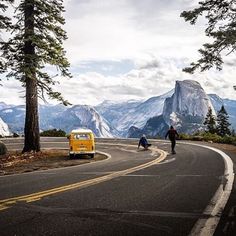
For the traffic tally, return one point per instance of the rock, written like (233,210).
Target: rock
(3,148)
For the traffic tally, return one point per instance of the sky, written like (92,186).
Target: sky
(129,49)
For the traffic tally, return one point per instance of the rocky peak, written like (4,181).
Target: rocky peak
(189,99)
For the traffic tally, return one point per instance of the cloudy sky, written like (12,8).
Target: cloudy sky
(130,49)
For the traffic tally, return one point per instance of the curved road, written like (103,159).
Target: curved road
(131,193)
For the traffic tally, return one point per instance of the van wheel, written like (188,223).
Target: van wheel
(92,155)
(71,156)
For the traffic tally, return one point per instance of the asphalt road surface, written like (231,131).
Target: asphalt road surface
(133,192)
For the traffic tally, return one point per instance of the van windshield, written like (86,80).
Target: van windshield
(82,136)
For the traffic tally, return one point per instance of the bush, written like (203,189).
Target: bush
(207,137)
(15,135)
(211,137)
(53,133)
(3,148)
(183,136)
(228,140)
(197,138)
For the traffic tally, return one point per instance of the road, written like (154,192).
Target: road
(131,193)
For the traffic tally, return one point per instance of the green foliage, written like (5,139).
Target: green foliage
(5,23)
(36,42)
(228,140)
(3,148)
(53,133)
(233,133)
(223,122)
(209,137)
(4,20)
(210,121)
(221,27)
(183,136)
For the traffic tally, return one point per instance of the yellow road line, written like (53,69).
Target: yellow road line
(6,203)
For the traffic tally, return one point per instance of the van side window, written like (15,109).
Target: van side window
(82,136)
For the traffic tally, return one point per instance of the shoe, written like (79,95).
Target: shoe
(173,152)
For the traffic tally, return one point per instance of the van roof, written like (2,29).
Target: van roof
(81,131)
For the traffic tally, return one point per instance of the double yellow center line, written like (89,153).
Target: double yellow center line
(6,203)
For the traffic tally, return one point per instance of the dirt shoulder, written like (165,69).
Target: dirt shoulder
(16,162)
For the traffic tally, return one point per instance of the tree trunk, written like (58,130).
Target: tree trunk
(32,140)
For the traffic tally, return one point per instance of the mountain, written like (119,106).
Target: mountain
(133,113)
(230,107)
(60,117)
(14,117)
(83,116)
(189,99)
(4,129)
(185,109)
(155,127)
(3,105)
(114,111)
(48,115)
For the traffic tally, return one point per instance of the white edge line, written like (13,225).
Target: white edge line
(207,227)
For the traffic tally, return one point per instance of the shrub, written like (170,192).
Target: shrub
(3,148)
(15,135)
(53,133)
(211,137)
(197,138)
(207,136)
(228,140)
(183,136)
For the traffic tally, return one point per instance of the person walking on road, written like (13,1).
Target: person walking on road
(172,134)
(143,142)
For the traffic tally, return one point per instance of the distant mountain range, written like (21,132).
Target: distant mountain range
(185,107)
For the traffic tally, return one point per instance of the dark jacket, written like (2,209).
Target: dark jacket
(172,133)
(143,142)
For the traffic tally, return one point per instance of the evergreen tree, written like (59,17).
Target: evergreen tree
(223,122)
(220,15)
(233,133)
(36,42)
(5,23)
(210,121)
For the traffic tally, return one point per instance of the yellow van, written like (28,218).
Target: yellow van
(81,141)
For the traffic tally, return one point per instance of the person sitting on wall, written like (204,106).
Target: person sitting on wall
(143,142)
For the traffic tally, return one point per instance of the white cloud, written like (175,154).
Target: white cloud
(154,78)
(130,49)
(106,30)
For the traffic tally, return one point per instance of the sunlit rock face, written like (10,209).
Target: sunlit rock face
(4,129)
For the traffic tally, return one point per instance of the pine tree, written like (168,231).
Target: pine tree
(210,121)
(5,23)
(223,122)
(221,27)
(36,43)
(233,133)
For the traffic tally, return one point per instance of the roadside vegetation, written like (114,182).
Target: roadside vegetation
(53,133)
(33,43)
(208,137)
(217,129)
